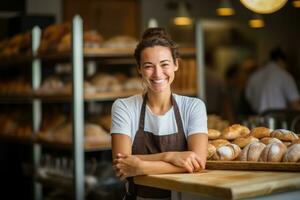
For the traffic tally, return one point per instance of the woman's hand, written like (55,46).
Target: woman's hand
(127,166)
(187,159)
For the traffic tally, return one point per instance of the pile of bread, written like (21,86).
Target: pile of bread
(58,129)
(259,144)
(18,85)
(19,44)
(57,38)
(101,82)
(16,125)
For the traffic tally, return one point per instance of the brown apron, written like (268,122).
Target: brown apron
(149,143)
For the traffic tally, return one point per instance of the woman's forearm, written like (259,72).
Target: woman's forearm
(159,167)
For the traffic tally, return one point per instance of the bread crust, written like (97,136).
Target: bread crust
(227,152)
(292,154)
(260,132)
(234,131)
(252,152)
(284,135)
(273,152)
(213,134)
(244,141)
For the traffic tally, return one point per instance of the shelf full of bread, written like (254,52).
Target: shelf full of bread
(55,46)
(237,147)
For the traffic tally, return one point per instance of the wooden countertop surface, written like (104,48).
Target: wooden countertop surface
(227,184)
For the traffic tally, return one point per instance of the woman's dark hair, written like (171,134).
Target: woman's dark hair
(156,37)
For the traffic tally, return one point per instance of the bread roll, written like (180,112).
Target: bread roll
(213,134)
(234,131)
(297,141)
(284,135)
(273,152)
(292,154)
(252,152)
(260,132)
(268,140)
(211,150)
(227,152)
(244,141)
(219,142)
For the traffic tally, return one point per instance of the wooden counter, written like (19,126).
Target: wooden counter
(225,184)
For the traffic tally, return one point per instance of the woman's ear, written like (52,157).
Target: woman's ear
(139,70)
(176,65)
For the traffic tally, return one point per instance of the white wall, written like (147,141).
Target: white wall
(45,7)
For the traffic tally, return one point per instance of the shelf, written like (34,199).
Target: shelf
(16,139)
(16,60)
(106,145)
(103,96)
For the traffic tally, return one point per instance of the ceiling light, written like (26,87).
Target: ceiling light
(296,3)
(183,18)
(257,22)
(225,8)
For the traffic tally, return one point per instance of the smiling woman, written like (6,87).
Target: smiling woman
(158,131)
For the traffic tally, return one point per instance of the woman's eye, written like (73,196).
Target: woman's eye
(165,65)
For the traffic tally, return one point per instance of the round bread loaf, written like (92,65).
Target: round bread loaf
(284,135)
(234,131)
(227,152)
(260,132)
(252,152)
(219,142)
(268,140)
(273,152)
(213,134)
(211,150)
(244,141)
(292,154)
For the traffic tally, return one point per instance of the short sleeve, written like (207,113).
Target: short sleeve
(120,118)
(290,89)
(197,120)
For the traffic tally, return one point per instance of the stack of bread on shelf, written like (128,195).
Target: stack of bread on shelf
(260,144)
(18,85)
(15,124)
(18,45)
(58,129)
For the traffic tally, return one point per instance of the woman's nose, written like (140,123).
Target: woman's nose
(157,70)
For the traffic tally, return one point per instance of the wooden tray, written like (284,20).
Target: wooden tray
(246,165)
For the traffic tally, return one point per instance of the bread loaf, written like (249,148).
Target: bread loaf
(213,134)
(273,152)
(244,141)
(252,152)
(292,154)
(227,152)
(234,131)
(211,150)
(260,132)
(284,135)
(219,142)
(268,140)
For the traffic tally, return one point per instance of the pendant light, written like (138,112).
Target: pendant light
(225,8)
(296,3)
(257,21)
(183,17)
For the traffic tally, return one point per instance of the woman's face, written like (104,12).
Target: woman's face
(157,68)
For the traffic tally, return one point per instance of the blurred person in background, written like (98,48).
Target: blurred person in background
(272,87)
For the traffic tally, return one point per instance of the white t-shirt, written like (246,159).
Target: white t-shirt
(271,88)
(126,116)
